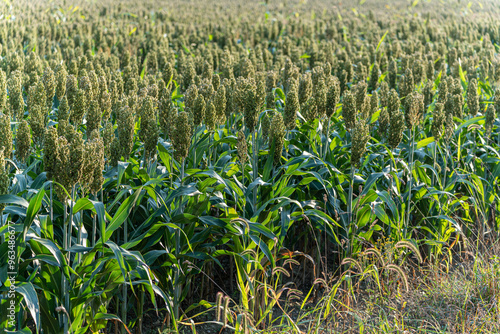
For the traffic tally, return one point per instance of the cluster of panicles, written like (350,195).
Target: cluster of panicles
(96,79)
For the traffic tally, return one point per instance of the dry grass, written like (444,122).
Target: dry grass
(464,299)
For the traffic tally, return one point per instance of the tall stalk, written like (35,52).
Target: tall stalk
(349,205)
(124,287)
(327,137)
(51,210)
(64,283)
(407,224)
(177,288)
(255,167)
(434,159)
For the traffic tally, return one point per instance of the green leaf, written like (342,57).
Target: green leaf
(381,40)
(31,299)
(425,142)
(121,214)
(12,199)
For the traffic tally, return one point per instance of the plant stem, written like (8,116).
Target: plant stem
(177,287)
(51,210)
(64,283)
(412,135)
(327,137)
(349,205)
(434,159)
(124,287)
(255,166)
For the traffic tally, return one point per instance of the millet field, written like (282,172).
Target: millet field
(232,166)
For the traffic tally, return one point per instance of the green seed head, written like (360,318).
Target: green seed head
(472,98)
(349,110)
(190,97)
(428,92)
(168,74)
(16,101)
(149,128)
(305,88)
(85,84)
(407,83)
(265,124)
(359,137)
(332,97)
(71,89)
(63,110)
(291,107)
(374,75)
(456,104)
(360,90)
(216,81)
(50,151)
(247,68)
(23,141)
(76,155)
(393,103)
(5,136)
(443,91)
(79,107)
(181,136)
(320,95)
(393,72)
(250,103)
(4,179)
(108,134)
(93,118)
(438,119)
(3,90)
(125,120)
(49,82)
(414,109)
(220,104)
(383,123)
(277,136)
(199,110)
(98,164)
(489,119)
(271,81)
(396,128)
(210,116)
(208,71)
(310,110)
(384,94)
(166,115)
(242,148)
